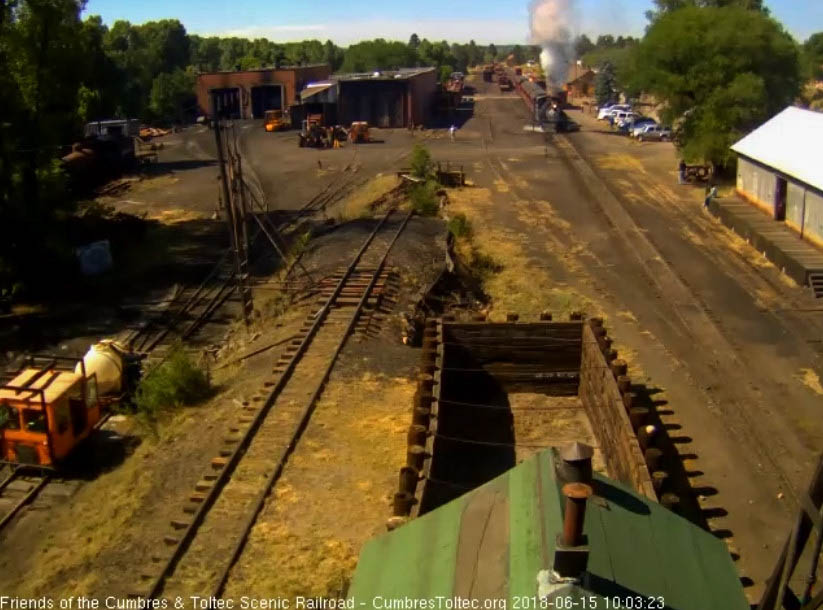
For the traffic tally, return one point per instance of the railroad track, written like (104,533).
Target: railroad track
(185,313)
(19,488)
(204,543)
(192,307)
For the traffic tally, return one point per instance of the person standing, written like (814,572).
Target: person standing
(452,129)
(710,194)
(681,172)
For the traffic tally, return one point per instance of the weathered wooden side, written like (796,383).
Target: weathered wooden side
(407,499)
(521,357)
(434,420)
(605,408)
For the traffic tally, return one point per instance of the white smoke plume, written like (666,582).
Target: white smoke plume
(552,28)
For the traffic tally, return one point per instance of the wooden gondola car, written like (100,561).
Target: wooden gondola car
(49,407)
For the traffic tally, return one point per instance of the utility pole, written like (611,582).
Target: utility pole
(235,217)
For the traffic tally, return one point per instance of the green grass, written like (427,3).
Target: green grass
(424,198)
(298,248)
(178,382)
(421,162)
(459,225)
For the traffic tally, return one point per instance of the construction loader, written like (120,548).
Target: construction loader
(274,120)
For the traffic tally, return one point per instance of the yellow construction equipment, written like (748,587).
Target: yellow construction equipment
(274,120)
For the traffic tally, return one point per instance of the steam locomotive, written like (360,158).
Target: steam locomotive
(545,108)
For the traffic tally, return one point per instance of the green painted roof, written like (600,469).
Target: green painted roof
(491,543)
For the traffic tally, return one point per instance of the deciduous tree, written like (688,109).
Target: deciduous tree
(813,57)
(583,45)
(720,73)
(605,85)
(668,6)
(171,94)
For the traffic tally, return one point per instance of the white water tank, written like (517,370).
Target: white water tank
(105,359)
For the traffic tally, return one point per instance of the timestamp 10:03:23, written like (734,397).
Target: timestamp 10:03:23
(591,602)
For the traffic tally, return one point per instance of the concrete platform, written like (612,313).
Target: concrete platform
(781,244)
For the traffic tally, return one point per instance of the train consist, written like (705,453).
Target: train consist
(545,109)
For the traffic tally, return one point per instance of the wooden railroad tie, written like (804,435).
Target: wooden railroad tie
(203,485)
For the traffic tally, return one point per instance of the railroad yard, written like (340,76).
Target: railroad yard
(275,483)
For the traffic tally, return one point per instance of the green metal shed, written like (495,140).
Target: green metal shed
(493,544)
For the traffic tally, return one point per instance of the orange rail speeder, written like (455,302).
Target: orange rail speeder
(46,410)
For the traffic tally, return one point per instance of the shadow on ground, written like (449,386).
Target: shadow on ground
(675,448)
(149,259)
(167,167)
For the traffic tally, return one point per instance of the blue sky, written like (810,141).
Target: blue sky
(499,21)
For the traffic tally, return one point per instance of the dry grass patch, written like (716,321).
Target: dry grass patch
(501,186)
(514,281)
(739,245)
(627,315)
(175,216)
(811,380)
(335,492)
(620,161)
(358,203)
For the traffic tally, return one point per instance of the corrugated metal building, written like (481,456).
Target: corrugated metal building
(247,94)
(779,170)
(495,546)
(387,99)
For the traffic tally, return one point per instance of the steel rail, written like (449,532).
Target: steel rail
(30,495)
(313,205)
(5,482)
(182,543)
(304,420)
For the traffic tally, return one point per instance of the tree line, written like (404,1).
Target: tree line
(720,68)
